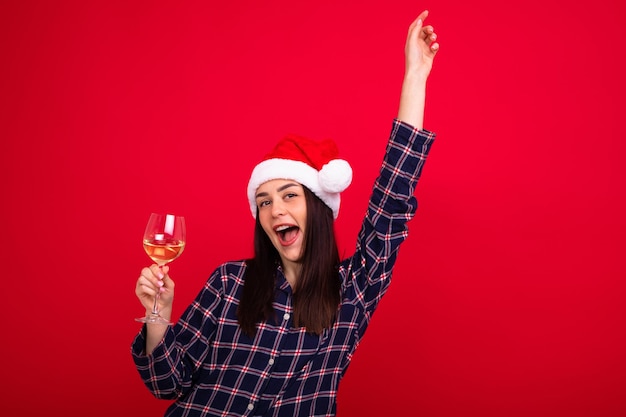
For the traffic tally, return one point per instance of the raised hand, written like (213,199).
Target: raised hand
(421,47)
(420,50)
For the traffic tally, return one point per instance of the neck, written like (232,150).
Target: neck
(291,270)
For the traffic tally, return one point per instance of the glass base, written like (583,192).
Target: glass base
(153,319)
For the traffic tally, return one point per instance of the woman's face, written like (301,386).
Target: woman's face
(282,214)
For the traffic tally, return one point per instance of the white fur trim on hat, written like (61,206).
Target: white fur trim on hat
(333,178)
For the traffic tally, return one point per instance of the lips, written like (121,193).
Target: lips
(287,233)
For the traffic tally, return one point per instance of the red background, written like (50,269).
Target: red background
(508,297)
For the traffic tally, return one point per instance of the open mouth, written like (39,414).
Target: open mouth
(287,234)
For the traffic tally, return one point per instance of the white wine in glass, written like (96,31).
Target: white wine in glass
(163,241)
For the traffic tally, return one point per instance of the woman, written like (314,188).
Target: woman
(274,335)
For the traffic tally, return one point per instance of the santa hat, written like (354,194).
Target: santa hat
(316,165)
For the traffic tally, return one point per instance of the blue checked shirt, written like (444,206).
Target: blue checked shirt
(211,368)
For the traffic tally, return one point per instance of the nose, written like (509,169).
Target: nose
(278,208)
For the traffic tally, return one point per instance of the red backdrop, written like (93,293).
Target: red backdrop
(508,297)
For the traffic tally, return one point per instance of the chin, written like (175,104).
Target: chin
(292,257)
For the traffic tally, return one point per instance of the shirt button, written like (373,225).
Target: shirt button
(250,406)
(271,361)
(286,316)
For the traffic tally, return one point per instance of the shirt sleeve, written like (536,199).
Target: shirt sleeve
(391,205)
(169,370)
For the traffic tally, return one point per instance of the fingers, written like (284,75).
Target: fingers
(153,278)
(156,271)
(430,37)
(418,22)
(418,32)
(148,283)
(420,19)
(416,27)
(154,275)
(145,288)
(152,282)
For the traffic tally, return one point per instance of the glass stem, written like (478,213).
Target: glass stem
(155,309)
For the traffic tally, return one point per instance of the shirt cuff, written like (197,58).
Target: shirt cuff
(138,347)
(410,134)
(404,126)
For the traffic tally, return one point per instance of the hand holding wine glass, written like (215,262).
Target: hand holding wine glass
(163,241)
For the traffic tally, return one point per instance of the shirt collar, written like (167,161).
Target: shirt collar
(281,282)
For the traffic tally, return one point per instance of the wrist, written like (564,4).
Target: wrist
(415,80)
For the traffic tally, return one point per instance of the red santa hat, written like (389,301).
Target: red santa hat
(316,165)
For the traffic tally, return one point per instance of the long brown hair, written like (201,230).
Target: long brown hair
(317,292)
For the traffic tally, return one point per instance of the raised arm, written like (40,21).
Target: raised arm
(420,49)
(393,203)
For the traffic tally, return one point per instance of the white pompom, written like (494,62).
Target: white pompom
(335,176)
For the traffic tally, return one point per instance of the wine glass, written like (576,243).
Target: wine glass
(163,241)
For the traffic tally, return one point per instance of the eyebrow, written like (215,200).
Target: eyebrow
(281,188)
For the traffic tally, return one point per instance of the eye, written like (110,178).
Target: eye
(263,203)
(290,195)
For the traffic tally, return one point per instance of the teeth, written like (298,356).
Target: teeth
(281,228)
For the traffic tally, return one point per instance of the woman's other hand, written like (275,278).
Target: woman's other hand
(151,280)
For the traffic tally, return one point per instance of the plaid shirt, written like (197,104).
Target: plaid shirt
(211,368)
